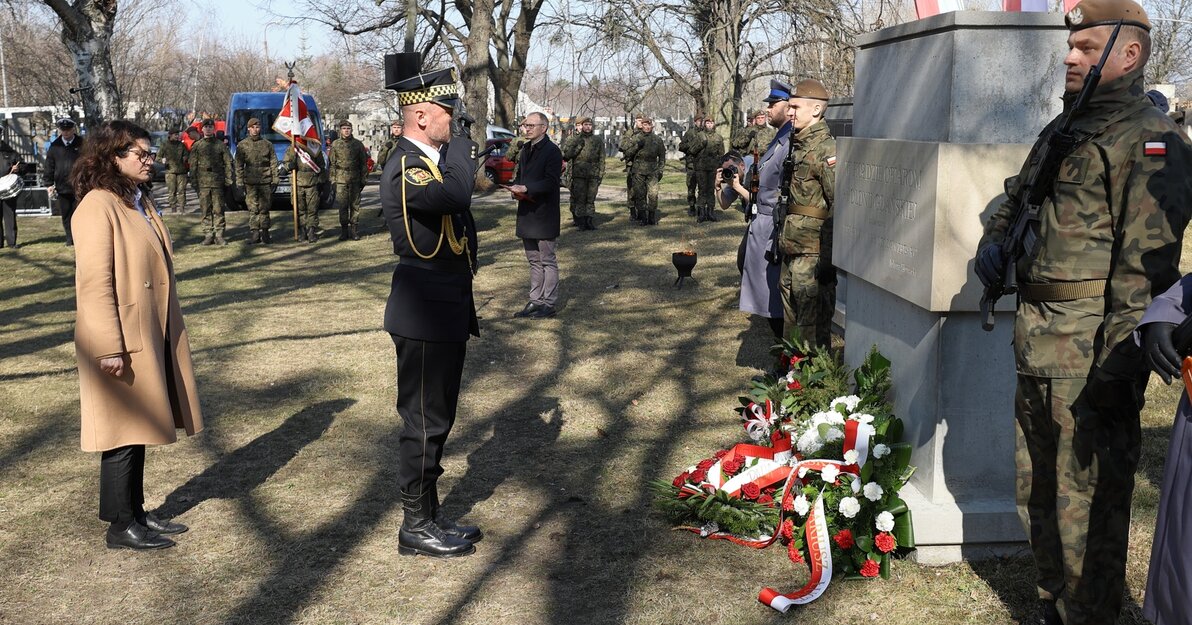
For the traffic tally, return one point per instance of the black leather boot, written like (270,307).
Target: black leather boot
(266,238)
(312,235)
(419,535)
(354,233)
(470,533)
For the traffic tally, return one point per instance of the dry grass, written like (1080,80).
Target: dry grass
(290,492)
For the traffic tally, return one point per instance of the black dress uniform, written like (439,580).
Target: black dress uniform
(430,313)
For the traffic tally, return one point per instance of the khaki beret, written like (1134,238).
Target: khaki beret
(647,120)
(811,89)
(252,121)
(757,113)
(1091,13)
(343,122)
(583,120)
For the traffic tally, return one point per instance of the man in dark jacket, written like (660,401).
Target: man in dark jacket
(60,160)
(540,166)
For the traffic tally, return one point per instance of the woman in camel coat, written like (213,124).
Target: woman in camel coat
(136,380)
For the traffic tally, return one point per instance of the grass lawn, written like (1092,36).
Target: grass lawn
(290,492)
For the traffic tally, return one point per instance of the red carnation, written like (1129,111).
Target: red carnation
(794,553)
(721,454)
(705,464)
(844,539)
(788,502)
(766,498)
(769,491)
(795,359)
(885,542)
(794,386)
(681,480)
(731,466)
(751,490)
(699,475)
(787,531)
(870,569)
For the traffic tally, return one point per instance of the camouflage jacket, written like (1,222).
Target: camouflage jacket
(743,137)
(812,186)
(210,163)
(174,156)
(256,161)
(304,176)
(627,143)
(584,153)
(712,153)
(384,152)
(647,156)
(349,161)
(690,145)
(515,146)
(761,139)
(1117,212)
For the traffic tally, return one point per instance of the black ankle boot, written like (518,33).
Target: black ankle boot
(419,535)
(470,533)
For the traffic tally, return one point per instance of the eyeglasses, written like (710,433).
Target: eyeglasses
(143,156)
(531,125)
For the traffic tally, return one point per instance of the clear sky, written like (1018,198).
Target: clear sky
(250,21)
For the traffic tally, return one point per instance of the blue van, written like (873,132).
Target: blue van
(265,106)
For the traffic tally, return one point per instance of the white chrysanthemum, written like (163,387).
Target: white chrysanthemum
(880,450)
(850,402)
(849,507)
(802,506)
(861,417)
(834,434)
(810,442)
(873,491)
(830,473)
(884,522)
(850,456)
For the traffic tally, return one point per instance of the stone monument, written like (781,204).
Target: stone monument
(945,108)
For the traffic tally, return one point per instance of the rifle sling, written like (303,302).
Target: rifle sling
(1062,291)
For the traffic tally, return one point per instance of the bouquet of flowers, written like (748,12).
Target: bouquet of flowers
(820,474)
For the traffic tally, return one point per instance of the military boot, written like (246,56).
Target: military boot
(209,239)
(419,535)
(219,239)
(589,224)
(470,533)
(354,232)
(652,218)
(254,237)
(266,238)
(312,234)
(302,234)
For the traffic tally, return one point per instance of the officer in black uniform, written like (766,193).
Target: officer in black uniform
(426,195)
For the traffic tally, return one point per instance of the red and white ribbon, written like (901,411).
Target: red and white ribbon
(821,565)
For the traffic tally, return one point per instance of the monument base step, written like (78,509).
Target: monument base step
(953,531)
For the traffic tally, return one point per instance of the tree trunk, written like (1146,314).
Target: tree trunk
(721,84)
(475,72)
(87,29)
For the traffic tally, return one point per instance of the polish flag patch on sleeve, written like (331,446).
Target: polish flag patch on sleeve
(1155,148)
(831,161)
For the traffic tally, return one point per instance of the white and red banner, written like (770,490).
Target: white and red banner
(927,8)
(294,121)
(1028,6)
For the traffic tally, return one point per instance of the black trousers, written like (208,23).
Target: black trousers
(66,205)
(9,208)
(428,381)
(122,484)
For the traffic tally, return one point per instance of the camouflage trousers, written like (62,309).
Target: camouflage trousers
(211,205)
(583,196)
(258,198)
(692,187)
(308,207)
(807,305)
(176,192)
(643,196)
(706,181)
(347,196)
(1077,447)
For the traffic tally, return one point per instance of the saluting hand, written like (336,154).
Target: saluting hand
(113,366)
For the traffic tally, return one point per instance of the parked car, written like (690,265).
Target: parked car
(497,168)
(498,132)
(156,139)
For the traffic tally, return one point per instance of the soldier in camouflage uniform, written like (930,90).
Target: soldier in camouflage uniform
(1109,239)
(307,179)
(395,130)
(211,173)
(648,158)
(511,154)
(745,139)
(763,134)
(690,145)
(349,167)
(709,160)
(584,153)
(256,175)
(628,140)
(174,156)
(808,279)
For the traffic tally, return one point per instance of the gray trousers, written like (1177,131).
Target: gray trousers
(544,270)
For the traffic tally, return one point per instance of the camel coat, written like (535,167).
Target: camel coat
(127,302)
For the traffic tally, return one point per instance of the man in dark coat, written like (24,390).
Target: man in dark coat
(10,163)
(426,196)
(540,165)
(60,159)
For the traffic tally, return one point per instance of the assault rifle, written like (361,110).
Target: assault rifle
(755,184)
(774,255)
(1022,238)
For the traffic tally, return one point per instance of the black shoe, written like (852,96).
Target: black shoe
(419,535)
(529,310)
(543,312)
(470,533)
(138,537)
(343,233)
(161,526)
(302,234)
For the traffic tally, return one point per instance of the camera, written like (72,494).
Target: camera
(728,172)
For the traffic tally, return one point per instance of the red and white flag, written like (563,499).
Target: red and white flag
(927,8)
(1027,6)
(294,122)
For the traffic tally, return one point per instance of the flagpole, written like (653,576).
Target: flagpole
(294,128)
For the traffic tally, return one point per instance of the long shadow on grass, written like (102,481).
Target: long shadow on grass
(237,474)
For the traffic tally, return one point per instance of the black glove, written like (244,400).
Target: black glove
(1161,355)
(990,264)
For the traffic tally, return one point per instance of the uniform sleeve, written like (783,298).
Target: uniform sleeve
(51,164)
(1151,221)
(227,158)
(451,196)
(363,154)
(239,161)
(97,320)
(827,180)
(275,176)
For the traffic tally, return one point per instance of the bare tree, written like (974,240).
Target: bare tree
(1171,41)
(87,27)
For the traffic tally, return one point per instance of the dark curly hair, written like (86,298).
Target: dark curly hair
(97,168)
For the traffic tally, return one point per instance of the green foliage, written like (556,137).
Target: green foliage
(732,514)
